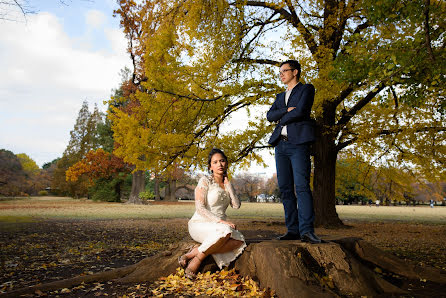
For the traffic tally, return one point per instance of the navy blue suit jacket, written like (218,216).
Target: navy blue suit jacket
(300,127)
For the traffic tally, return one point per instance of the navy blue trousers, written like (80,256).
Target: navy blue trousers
(293,166)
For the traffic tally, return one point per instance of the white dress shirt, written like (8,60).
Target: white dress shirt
(287,96)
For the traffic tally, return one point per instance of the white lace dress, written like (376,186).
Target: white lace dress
(211,202)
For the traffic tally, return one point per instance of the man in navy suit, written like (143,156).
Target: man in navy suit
(292,138)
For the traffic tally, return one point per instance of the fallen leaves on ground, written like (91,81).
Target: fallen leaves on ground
(52,250)
(224,283)
(30,250)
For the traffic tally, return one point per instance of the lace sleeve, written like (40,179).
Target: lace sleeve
(235,201)
(201,192)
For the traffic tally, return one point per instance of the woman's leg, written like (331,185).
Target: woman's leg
(198,257)
(214,248)
(223,245)
(229,245)
(194,264)
(191,254)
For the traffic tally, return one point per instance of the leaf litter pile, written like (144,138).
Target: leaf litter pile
(224,283)
(45,251)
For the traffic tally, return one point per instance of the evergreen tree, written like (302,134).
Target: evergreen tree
(83,138)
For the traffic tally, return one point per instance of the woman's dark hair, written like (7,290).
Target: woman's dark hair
(294,64)
(215,151)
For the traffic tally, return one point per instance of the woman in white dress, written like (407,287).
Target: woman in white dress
(208,225)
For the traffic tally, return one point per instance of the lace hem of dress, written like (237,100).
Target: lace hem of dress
(220,231)
(234,255)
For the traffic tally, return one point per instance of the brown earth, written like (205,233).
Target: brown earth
(45,251)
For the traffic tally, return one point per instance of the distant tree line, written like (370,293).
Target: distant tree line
(102,176)
(89,168)
(357,181)
(21,176)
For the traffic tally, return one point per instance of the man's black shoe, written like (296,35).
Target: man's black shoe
(289,236)
(311,237)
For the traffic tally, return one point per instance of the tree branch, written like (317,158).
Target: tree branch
(342,145)
(291,9)
(249,148)
(358,30)
(344,94)
(340,29)
(421,129)
(293,19)
(359,105)
(218,119)
(426,30)
(395,99)
(21,8)
(248,44)
(189,97)
(259,61)
(385,132)
(8,7)
(309,14)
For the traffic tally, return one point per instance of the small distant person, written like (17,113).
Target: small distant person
(432,203)
(292,139)
(377,203)
(209,226)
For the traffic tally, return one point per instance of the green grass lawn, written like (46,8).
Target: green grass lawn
(35,208)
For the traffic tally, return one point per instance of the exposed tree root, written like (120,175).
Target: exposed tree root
(341,267)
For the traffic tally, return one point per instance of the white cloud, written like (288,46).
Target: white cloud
(118,42)
(45,77)
(95,18)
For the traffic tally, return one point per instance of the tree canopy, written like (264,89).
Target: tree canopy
(28,164)
(378,68)
(12,175)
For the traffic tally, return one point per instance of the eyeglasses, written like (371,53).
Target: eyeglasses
(285,70)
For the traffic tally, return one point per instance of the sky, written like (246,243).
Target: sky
(52,61)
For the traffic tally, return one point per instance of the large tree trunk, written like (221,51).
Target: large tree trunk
(138,185)
(325,155)
(157,188)
(170,189)
(167,191)
(118,190)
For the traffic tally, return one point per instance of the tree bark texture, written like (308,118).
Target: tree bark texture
(138,185)
(324,194)
(340,267)
(169,191)
(157,189)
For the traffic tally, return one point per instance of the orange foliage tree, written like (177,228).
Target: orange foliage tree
(97,164)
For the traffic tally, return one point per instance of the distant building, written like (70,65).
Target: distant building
(263,198)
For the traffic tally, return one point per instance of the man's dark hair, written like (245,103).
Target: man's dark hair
(294,64)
